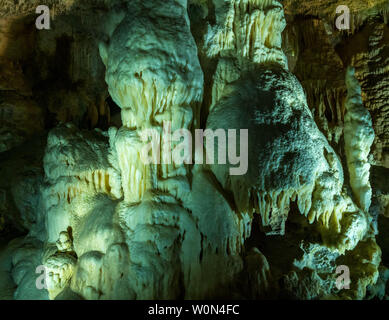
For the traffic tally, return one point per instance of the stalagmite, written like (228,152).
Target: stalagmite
(358,137)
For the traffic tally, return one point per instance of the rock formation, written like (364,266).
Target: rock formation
(89,218)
